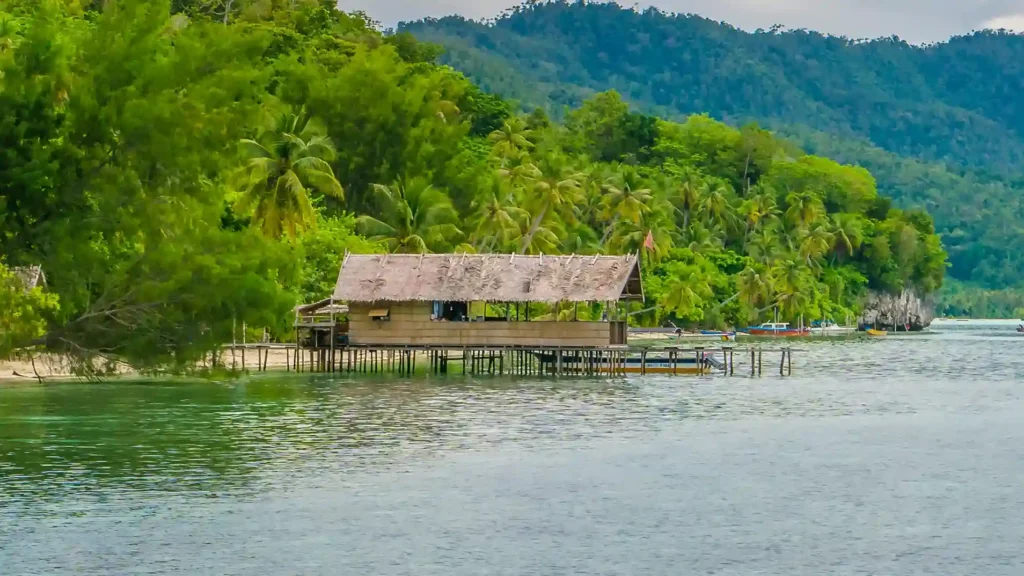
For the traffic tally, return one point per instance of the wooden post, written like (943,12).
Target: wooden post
(760,356)
(333,338)
(789,361)
(782,363)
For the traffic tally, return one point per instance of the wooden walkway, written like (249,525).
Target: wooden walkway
(609,361)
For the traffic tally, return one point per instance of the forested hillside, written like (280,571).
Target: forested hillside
(180,170)
(940,126)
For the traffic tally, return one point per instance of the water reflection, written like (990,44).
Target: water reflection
(62,439)
(91,466)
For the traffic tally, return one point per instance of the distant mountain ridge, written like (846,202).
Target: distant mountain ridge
(941,126)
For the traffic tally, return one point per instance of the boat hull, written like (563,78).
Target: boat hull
(787,333)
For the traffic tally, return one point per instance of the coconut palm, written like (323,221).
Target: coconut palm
(848,232)
(282,167)
(815,243)
(627,196)
(518,171)
(755,286)
(763,244)
(626,199)
(687,297)
(714,202)
(705,239)
(512,139)
(804,207)
(686,197)
(416,218)
(759,207)
(553,195)
(630,237)
(497,219)
(789,280)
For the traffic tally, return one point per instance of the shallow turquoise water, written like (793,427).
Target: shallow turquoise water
(889,456)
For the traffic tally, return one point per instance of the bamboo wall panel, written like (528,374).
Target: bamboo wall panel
(410,324)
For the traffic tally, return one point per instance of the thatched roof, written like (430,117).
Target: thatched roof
(489,277)
(31,276)
(325,306)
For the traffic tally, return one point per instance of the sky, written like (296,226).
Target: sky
(917,21)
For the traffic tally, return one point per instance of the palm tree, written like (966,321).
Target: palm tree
(815,243)
(625,199)
(715,204)
(518,171)
(789,279)
(554,193)
(848,231)
(511,139)
(704,239)
(276,180)
(804,207)
(629,237)
(627,196)
(759,206)
(755,286)
(498,221)
(687,195)
(688,296)
(416,218)
(763,244)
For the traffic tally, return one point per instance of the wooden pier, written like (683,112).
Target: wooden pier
(608,361)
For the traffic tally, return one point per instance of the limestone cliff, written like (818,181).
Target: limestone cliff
(908,307)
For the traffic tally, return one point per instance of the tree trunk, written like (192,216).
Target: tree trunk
(608,231)
(534,226)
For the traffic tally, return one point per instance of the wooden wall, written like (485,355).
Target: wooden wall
(410,323)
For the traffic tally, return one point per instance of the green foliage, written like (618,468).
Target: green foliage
(23,312)
(416,218)
(280,175)
(932,123)
(120,173)
(323,250)
(959,300)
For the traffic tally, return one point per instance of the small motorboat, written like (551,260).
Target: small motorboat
(778,329)
(1020,329)
(877,333)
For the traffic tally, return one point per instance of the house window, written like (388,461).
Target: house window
(450,311)
(380,314)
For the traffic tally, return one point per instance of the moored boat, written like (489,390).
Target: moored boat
(876,333)
(778,329)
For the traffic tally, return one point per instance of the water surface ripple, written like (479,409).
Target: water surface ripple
(888,456)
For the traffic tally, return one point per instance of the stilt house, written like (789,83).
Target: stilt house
(464,300)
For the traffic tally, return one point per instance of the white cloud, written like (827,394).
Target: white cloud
(1012,22)
(912,20)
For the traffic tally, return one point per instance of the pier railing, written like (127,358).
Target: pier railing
(516,360)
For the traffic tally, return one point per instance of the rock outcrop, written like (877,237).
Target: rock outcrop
(906,308)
